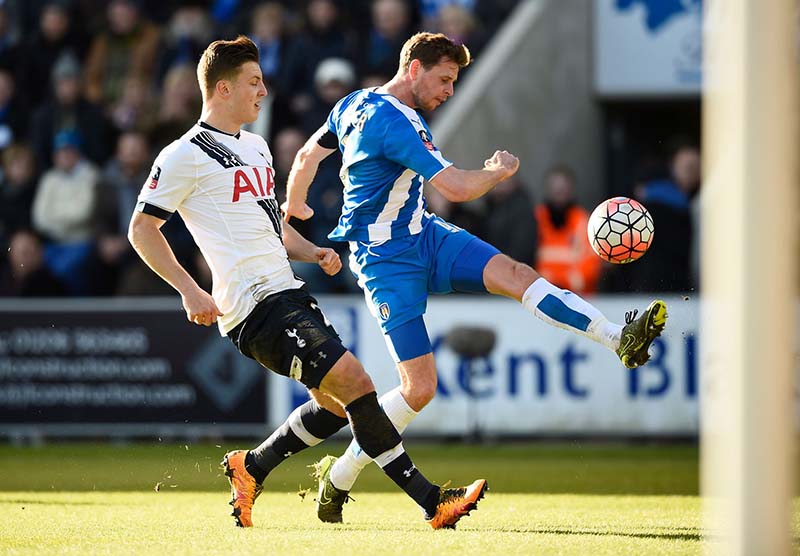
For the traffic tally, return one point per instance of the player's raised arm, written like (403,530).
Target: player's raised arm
(304,168)
(458,185)
(300,249)
(145,235)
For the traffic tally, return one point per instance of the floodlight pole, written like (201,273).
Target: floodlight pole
(749,276)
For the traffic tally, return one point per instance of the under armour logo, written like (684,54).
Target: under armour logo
(287,454)
(315,362)
(293,334)
(409,471)
(228,161)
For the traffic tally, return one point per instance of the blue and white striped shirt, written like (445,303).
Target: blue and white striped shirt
(387,150)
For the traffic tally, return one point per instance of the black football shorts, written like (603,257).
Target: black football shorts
(288,334)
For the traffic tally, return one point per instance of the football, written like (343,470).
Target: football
(620,230)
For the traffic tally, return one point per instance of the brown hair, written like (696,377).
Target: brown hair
(561,169)
(430,48)
(222,60)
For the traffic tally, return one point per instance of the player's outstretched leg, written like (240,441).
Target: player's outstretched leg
(306,426)
(244,488)
(638,334)
(564,309)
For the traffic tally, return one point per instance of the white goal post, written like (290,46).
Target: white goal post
(750,257)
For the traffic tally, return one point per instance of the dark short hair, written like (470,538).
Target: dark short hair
(561,169)
(430,48)
(223,59)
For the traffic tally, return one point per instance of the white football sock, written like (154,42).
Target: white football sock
(566,310)
(347,468)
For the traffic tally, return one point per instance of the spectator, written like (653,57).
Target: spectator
(62,212)
(117,192)
(13,110)
(334,78)
(69,110)
(135,109)
(507,203)
(667,264)
(178,107)
(126,49)
(56,36)
(324,36)
(282,66)
(17,189)
(564,256)
(187,35)
(458,23)
(285,146)
(391,26)
(26,274)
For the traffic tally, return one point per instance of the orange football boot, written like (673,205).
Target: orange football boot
(455,503)
(244,488)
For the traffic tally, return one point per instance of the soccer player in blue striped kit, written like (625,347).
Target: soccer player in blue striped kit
(400,252)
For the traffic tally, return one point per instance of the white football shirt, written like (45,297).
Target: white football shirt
(223,186)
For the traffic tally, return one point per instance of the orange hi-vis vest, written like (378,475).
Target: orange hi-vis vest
(564,256)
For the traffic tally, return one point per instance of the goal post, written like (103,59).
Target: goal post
(750,255)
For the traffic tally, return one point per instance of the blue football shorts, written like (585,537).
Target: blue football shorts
(396,276)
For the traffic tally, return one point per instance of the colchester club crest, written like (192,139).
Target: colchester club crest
(383,310)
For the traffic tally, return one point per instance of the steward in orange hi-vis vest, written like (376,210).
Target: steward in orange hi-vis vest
(565,257)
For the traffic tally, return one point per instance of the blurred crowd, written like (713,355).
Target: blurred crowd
(91,90)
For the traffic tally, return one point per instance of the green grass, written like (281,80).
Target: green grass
(544,499)
(523,468)
(378,523)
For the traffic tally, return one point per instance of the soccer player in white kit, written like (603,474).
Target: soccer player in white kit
(220,179)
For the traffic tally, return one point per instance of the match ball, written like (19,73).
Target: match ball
(620,230)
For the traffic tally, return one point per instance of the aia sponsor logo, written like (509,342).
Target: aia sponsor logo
(258,181)
(154,177)
(426,139)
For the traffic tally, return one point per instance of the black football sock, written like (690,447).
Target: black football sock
(308,425)
(379,439)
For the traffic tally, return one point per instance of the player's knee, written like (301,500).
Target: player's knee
(347,380)
(327,402)
(523,274)
(356,376)
(362,384)
(505,276)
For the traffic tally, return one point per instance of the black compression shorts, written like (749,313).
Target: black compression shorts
(288,334)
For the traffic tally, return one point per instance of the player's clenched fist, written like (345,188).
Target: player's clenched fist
(300,211)
(329,260)
(503,160)
(200,308)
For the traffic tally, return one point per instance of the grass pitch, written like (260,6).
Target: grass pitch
(543,499)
